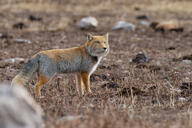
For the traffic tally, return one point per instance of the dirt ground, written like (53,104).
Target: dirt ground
(125,94)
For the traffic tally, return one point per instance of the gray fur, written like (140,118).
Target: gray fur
(48,67)
(30,67)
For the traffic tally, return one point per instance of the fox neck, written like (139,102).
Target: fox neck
(90,52)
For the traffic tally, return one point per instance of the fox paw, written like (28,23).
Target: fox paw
(89,91)
(81,93)
(39,96)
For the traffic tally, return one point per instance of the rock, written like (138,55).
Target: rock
(140,58)
(182,99)
(187,62)
(186,85)
(70,117)
(171,48)
(33,18)
(166,26)
(154,101)
(144,23)
(87,23)
(18,109)
(21,41)
(14,60)
(124,25)
(7,62)
(187,57)
(4,36)
(142,17)
(19,25)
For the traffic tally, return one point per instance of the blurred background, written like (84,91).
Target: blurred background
(145,80)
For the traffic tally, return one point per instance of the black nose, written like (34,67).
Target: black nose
(105,48)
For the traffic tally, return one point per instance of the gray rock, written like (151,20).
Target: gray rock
(18,109)
(13,60)
(70,117)
(182,99)
(21,41)
(123,25)
(140,58)
(87,23)
(187,62)
(144,23)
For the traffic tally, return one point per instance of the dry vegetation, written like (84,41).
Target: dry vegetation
(125,94)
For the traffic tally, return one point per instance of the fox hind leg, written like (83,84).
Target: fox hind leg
(79,84)
(39,84)
(86,80)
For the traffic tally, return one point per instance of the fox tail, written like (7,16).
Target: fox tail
(26,72)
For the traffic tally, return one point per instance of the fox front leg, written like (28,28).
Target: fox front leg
(79,84)
(86,80)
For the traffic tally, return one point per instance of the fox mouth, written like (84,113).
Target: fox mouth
(101,52)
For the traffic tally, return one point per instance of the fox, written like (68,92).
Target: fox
(82,61)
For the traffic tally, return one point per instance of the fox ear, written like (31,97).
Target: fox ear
(89,37)
(107,36)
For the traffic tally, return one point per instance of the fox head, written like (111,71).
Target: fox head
(97,45)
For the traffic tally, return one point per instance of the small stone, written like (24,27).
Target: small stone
(19,25)
(87,23)
(142,17)
(144,23)
(187,57)
(188,62)
(14,60)
(171,48)
(33,18)
(140,58)
(154,101)
(70,117)
(4,36)
(21,41)
(182,99)
(186,85)
(124,25)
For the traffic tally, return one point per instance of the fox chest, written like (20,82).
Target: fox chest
(90,65)
(93,68)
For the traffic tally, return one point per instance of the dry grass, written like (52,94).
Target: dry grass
(170,6)
(124,94)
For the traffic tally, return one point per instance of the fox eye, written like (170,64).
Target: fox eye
(105,42)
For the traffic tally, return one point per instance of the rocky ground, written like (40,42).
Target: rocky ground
(145,81)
